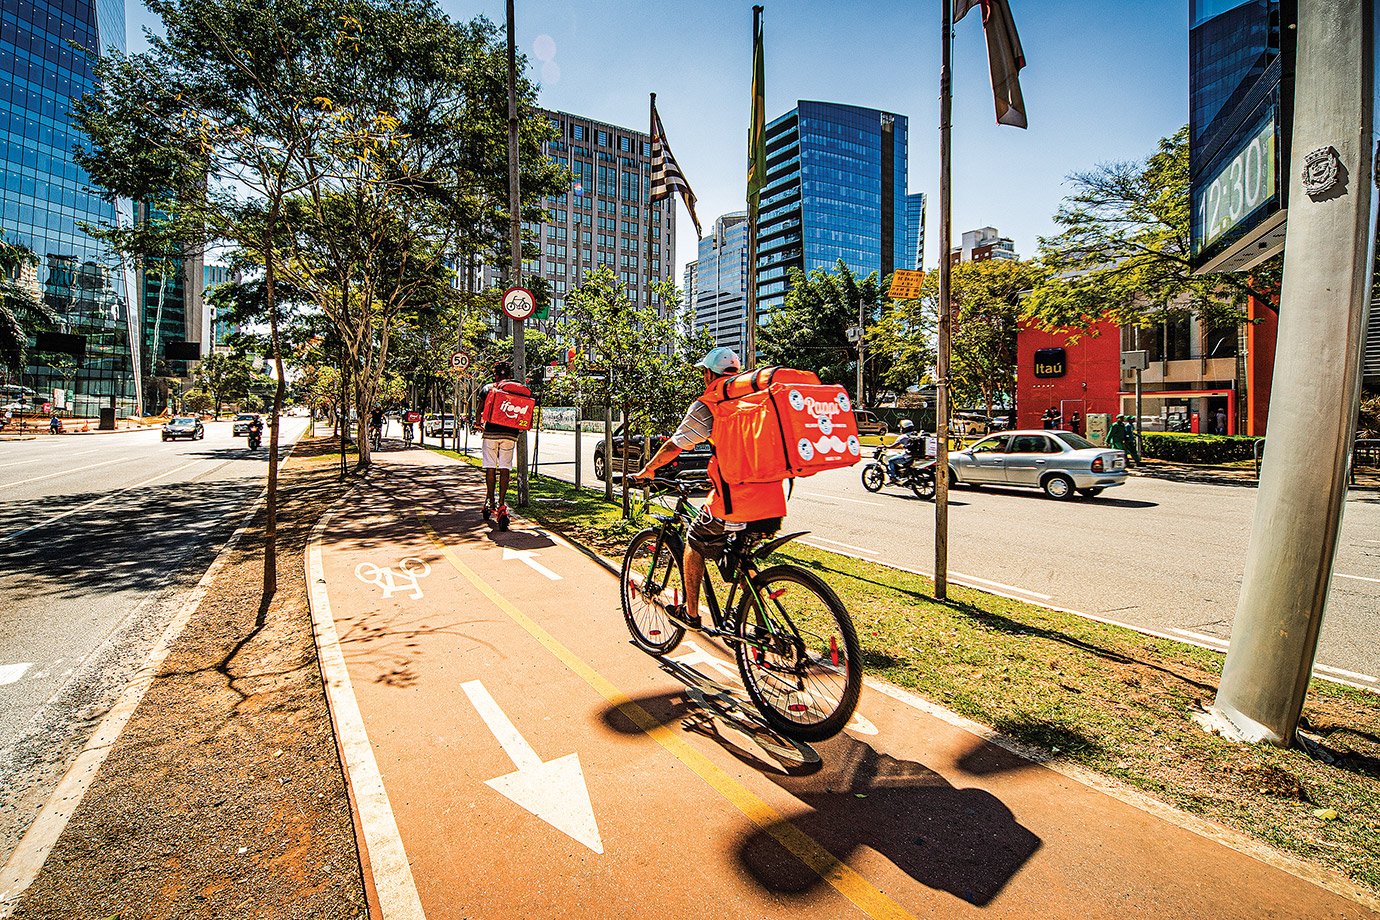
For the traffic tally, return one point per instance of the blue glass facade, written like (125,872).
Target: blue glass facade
(46,196)
(915,232)
(836,189)
(721,282)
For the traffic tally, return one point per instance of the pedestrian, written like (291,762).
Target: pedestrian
(1076,422)
(1116,434)
(55,424)
(1132,442)
(1050,419)
(1221,421)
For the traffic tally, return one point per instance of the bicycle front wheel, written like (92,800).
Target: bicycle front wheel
(799,653)
(651,581)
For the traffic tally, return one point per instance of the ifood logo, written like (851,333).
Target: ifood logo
(512,410)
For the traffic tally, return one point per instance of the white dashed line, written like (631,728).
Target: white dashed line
(1357,577)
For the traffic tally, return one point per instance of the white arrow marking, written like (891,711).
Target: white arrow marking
(526,556)
(554,791)
(10,673)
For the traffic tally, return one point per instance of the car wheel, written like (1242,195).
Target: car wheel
(873,478)
(165,439)
(1058,486)
(599,467)
(1090,493)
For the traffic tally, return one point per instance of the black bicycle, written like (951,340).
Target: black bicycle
(792,637)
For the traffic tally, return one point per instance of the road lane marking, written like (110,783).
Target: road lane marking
(555,791)
(11,673)
(1357,577)
(404,578)
(1202,637)
(1223,644)
(75,469)
(839,498)
(525,555)
(856,549)
(79,453)
(92,504)
(842,877)
(389,869)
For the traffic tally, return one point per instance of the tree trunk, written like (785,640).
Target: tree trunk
(271,512)
(627,444)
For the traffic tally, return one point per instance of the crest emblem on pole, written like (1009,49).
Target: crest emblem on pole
(1321,171)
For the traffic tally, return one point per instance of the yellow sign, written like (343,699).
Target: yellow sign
(905,284)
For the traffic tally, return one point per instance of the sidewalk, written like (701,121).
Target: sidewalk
(511,754)
(1367,478)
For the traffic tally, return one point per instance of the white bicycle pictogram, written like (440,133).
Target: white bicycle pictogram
(403,578)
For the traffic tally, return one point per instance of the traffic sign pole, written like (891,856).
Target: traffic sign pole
(515,241)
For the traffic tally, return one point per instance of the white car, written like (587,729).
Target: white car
(1059,462)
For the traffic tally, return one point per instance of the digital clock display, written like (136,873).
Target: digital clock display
(1241,188)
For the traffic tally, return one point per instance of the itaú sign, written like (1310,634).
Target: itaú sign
(1051,362)
(1243,185)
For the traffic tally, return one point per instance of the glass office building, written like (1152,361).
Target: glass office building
(720,293)
(915,232)
(836,189)
(47,197)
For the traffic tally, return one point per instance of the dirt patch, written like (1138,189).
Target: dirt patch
(224,795)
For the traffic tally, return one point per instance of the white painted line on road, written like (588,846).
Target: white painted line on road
(389,868)
(11,673)
(525,555)
(961,577)
(858,549)
(555,791)
(37,459)
(75,469)
(92,504)
(1202,637)
(1355,675)
(840,498)
(1357,577)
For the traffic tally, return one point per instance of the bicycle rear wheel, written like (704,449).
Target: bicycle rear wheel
(650,581)
(799,656)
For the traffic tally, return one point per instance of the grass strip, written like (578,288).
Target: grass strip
(1104,697)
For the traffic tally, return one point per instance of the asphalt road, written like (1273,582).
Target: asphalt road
(101,537)
(1152,553)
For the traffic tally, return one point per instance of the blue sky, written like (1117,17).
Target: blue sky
(1105,79)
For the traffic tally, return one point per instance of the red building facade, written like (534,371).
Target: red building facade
(1082,376)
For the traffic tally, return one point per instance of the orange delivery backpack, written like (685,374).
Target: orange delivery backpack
(777,423)
(509,404)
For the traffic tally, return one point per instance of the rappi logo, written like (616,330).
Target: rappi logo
(811,406)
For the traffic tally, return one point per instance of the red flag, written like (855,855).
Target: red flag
(1004,56)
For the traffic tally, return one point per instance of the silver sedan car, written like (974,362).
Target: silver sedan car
(1059,462)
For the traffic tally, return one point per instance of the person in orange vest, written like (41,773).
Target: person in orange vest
(757,508)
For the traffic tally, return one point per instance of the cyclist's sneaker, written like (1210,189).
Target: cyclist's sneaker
(679,613)
(488,509)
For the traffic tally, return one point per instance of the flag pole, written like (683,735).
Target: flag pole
(651,141)
(750,317)
(941,416)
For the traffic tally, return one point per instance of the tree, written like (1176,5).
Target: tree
(224,377)
(643,350)
(22,310)
(810,329)
(1125,249)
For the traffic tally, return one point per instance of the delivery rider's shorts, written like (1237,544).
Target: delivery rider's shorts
(708,534)
(498,453)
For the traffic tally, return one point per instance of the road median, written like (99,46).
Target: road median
(1087,694)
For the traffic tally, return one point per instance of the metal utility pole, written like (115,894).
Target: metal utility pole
(515,239)
(862,401)
(750,338)
(1327,282)
(941,385)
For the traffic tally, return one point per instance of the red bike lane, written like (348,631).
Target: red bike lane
(531,762)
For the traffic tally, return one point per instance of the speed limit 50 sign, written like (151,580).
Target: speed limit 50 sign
(460,361)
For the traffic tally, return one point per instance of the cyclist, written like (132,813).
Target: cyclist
(758,507)
(376,426)
(911,445)
(500,447)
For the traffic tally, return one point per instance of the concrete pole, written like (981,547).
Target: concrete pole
(1327,280)
(941,385)
(515,242)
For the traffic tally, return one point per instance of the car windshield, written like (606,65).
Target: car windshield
(184,421)
(244,418)
(1077,442)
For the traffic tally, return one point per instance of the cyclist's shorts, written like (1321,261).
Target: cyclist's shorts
(709,534)
(498,453)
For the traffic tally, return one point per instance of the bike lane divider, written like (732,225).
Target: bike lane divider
(921,814)
(521,781)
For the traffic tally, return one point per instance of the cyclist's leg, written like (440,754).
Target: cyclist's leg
(704,540)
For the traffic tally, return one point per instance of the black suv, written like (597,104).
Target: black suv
(691,464)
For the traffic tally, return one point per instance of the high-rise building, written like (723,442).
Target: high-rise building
(688,286)
(721,282)
(221,326)
(836,189)
(175,321)
(602,220)
(46,197)
(915,231)
(982,244)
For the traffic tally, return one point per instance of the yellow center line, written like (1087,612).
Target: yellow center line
(840,875)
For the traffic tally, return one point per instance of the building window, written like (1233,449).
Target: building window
(603,138)
(577,132)
(625,144)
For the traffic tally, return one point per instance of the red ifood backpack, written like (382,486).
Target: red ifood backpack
(776,423)
(509,404)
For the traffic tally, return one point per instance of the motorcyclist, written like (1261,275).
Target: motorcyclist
(256,432)
(911,446)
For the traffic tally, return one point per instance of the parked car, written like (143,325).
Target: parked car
(869,424)
(436,425)
(242,423)
(1059,462)
(691,464)
(183,427)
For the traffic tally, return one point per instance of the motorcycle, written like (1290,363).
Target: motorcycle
(255,439)
(918,476)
